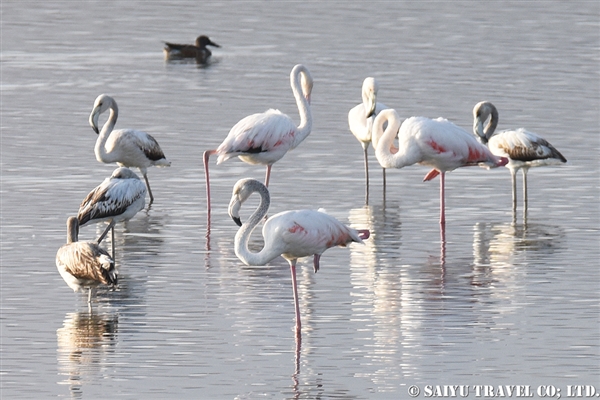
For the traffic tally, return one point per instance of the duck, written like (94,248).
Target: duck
(199,51)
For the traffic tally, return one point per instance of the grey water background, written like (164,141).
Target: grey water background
(497,302)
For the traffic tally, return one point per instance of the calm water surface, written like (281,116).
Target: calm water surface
(503,300)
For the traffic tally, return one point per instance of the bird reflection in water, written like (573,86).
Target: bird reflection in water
(83,344)
(499,248)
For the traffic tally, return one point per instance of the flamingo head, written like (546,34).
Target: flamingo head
(369,95)
(101,104)
(483,112)
(241,192)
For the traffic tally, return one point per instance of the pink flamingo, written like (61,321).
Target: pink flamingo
(524,149)
(264,138)
(291,234)
(437,143)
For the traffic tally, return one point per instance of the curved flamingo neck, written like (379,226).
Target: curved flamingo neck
(243,234)
(303,130)
(387,154)
(100,149)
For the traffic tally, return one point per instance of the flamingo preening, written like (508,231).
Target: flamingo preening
(126,147)
(360,121)
(265,138)
(291,234)
(84,264)
(436,143)
(118,198)
(523,149)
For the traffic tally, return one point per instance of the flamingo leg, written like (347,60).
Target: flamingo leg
(524,170)
(206,156)
(112,241)
(148,187)
(295,290)
(317,257)
(384,182)
(268,175)
(366,177)
(101,238)
(90,295)
(442,198)
(513,178)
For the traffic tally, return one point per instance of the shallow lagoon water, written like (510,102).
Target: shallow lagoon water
(502,300)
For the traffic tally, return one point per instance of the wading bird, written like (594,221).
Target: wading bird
(126,147)
(264,138)
(84,264)
(118,198)
(523,149)
(360,121)
(436,143)
(291,234)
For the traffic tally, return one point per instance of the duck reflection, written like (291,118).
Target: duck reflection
(84,341)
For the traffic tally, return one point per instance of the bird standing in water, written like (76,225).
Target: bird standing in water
(291,234)
(118,198)
(436,143)
(264,138)
(523,149)
(84,264)
(126,147)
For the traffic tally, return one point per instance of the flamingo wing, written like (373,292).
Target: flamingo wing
(266,136)
(133,141)
(88,262)
(445,146)
(522,145)
(307,232)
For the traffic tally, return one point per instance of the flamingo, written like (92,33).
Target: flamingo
(199,51)
(360,121)
(118,198)
(523,149)
(437,143)
(126,147)
(84,264)
(264,138)
(291,234)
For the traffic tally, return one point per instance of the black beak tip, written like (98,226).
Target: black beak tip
(237,220)
(95,129)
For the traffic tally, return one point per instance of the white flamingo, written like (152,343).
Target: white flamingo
(126,147)
(84,264)
(437,143)
(118,198)
(523,149)
(264,138)
(360,121)
(291,234)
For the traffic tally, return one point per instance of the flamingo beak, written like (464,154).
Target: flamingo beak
(237,220)
(94,119)
(478,128)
